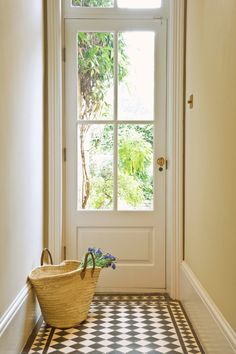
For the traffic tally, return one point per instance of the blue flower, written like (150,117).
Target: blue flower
(103,260)
(98,252)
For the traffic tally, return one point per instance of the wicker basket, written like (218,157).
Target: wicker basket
(64,291)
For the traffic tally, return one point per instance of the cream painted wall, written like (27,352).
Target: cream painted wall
(21,143)
(210,218)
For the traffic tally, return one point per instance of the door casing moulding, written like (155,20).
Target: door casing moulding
(54,55)
(175,104)
(175,145)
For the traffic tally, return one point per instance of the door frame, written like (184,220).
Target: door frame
(175,139)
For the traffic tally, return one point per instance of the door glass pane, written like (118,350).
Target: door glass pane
(135,167)
(95,166)
(93,3)
(136,76)
(95,75)
(139,4)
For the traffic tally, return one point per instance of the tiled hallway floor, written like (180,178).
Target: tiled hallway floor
(122,324)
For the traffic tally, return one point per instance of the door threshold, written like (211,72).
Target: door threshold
(129,291)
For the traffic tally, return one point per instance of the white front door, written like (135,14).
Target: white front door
(115,109)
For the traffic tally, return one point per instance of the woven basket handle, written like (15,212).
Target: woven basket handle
(45,250)
(86,261)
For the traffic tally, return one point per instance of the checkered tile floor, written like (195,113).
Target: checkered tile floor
(122,324)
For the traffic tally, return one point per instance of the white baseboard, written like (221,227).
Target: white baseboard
(18,321)
(214,332)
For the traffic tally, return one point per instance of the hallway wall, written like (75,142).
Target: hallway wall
(21,144)
(210,175)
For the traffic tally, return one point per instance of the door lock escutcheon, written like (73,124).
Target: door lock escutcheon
(161,163)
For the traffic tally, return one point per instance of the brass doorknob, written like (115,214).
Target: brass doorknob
(161,161)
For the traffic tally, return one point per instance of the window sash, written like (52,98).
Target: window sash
(115,122)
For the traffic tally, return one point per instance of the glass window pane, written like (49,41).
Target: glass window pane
(136,76)
(135,167)
(95,75)
(139,4)
(95,167)
(93,3)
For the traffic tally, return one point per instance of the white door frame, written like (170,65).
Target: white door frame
(175,126)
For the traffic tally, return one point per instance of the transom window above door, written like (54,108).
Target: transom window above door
(117,9)
(128,4)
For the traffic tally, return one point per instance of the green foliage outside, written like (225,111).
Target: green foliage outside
(92,3)
(95,68)
(135,160)
(95,74)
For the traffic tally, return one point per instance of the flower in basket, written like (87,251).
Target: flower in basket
(102,260)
